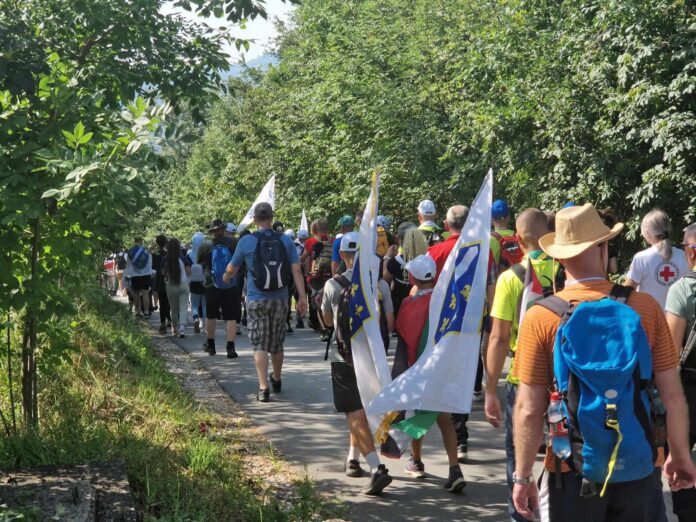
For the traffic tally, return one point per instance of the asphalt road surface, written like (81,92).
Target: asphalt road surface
(301,422)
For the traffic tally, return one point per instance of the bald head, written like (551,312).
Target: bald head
(531,225)
(456,217)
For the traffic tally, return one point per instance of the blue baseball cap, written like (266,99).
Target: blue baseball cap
(500,209)
(569,204)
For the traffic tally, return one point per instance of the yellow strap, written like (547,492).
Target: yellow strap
(612,423)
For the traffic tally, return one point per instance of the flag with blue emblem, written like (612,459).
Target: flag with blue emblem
(367,347)
(442,379)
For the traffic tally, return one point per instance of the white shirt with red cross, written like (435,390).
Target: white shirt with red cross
(654,275)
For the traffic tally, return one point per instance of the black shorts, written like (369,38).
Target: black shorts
(141,283)
(345,388)
(223,303)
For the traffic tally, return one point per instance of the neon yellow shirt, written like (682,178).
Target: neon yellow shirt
(495,244)
(508,292)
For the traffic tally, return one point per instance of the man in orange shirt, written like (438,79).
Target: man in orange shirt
(580,243)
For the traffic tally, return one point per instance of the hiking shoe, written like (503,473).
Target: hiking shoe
(197,326)
(462,453)
(163,329)
(324,337)
(352,469)
(211,350)
(275,384)
(415,468)
(182,331)
(300,324)
(264,395)
(379,480)
(232,353)
(455,483)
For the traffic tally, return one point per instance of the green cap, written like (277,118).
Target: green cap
(346,221)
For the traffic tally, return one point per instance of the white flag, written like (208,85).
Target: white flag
(303,223)
(442,379)
(267,195)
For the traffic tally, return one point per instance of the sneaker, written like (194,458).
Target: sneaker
(379,480)
(462,453)
(352,469)
(415,468)
(455,483)
(232,353)
(197,325)
(324,337)
(264,395)
(275,384)
(182,331)
(300,324)
(478,396)
(163,329)
(290,330)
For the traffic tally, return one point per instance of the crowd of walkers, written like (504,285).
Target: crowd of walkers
(610,352)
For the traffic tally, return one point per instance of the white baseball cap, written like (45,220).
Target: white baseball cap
(427,208)
(422,268)
(349,242)
(231,228)
(303,234)
(290,233)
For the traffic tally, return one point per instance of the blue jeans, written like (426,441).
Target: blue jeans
(510,397)
(196,300)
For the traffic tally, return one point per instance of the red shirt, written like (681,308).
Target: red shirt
(441,251)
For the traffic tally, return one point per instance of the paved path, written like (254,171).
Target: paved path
(301,422)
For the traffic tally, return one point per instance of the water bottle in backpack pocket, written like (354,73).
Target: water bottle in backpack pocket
(602,369)
(221,256)
(271,262)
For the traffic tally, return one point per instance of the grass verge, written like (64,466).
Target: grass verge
(114,399)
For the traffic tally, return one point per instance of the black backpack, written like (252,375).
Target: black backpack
(343,319)
(121,262)
(271,262)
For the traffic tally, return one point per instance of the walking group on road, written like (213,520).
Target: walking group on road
(602,366)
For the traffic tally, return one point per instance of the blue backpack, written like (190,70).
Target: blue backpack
(138,257)
(603,370)
(221,257)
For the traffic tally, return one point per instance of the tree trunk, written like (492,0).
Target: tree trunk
(10,375)
(29,375)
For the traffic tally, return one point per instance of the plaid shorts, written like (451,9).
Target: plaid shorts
(266,324)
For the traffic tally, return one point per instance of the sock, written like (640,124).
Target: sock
(353,453)
(372,460)
(230,346)
(211,343)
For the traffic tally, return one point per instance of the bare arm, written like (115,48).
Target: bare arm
(528,431)
(230,272)
(630,282)
(498,347)
(299,284)
(669,385)
(390,321)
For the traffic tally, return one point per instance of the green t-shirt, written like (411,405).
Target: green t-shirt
(681,301)
(495,244)
(508,292)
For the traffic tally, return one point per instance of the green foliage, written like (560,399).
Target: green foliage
(85,87)
(565,100)
(115,400)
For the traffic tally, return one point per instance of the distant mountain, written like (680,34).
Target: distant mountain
(262,62)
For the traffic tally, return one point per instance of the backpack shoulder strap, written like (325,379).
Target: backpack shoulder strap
(620,293)
(555,304)
(520,271)
(691,275)
(341,280)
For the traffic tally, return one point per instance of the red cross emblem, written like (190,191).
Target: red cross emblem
(667,274)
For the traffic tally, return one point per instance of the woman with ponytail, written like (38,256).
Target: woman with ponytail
(658,267)
(176,273)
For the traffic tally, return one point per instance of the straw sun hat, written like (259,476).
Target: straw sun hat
(577,229)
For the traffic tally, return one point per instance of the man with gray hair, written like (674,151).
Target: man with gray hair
(454,223)
(681,318)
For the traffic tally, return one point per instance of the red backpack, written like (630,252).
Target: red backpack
(510,251)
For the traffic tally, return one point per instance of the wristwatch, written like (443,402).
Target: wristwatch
(522,481)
